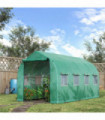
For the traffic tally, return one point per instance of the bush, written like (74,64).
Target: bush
(38,92)
(29,94)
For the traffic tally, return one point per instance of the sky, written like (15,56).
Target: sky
(66,28)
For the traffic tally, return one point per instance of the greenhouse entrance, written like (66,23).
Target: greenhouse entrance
(36,80)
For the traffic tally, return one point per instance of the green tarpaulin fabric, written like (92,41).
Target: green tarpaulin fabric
(58,65)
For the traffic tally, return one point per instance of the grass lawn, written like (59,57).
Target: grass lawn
(9,102)
(91,105)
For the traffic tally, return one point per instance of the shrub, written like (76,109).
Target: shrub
(29,94)
(38,92)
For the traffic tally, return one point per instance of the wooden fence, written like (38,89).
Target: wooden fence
(8,70)
(101,69)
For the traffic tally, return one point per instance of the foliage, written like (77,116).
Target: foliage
(5,16)
(29,94)
(40,93)
(97,50)
(23,42)
(46,87)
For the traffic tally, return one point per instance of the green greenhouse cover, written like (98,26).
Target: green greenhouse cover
(63,65)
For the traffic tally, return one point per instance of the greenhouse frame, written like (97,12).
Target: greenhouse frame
(70,78)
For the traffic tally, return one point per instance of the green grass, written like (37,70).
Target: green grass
(9,108)
(90,105)
(8,99)
(9,102)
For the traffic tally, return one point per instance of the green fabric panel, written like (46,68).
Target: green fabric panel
(20,83)
(35,56)
(61,64)
(33,69)
(36,68)
(72,93)
(72,64)
(53,82)
(66,63)
(43,68)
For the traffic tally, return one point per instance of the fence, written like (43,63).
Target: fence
(101,69)
(8,70)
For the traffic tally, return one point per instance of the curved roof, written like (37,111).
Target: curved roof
(65,64)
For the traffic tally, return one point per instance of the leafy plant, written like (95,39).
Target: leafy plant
(40,92)
(29,94)
(46,87)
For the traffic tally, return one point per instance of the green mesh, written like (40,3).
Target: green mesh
(53,65)
(33,71)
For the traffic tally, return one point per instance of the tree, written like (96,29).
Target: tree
(23,42)
(97,50)
(5,15)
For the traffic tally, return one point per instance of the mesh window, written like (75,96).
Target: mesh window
(31,81)
(76,80)
(86,79)
(64,79)
(25,80)
(38,80)
(95,79)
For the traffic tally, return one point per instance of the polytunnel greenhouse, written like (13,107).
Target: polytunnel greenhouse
(57,78)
